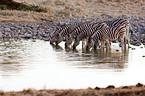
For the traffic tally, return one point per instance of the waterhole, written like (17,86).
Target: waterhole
(37,64)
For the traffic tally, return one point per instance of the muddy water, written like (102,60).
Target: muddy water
(27,64)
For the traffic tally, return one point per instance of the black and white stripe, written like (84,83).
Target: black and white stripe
(87,32)
(67,30)
(117,29)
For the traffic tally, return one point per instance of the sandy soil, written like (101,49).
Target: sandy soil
(67,9)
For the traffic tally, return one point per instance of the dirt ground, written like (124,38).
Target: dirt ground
(67,9)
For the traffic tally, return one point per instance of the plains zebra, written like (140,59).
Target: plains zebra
(55,34)
(67,30)
(59,34)
(76,30)
(79,29)
(120,21)
(118,31)
(99,35)
(87,32)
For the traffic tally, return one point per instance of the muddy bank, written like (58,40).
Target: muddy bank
(44,30)
(136,90)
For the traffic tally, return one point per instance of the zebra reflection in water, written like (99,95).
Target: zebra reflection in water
(100,57)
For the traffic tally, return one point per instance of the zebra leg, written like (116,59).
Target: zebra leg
(76,43)
(60,38)
(110,41)
(96,44)
(121,38)
(89,43)
(108,44)
(125,41)
(102,44)
(128,36)
(69,40)
(83,43)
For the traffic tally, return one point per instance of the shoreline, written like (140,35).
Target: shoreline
(110,90)
(44,30)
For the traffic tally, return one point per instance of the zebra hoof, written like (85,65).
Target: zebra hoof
(74,47)
(51,43)
(87,48)
(120,45)
(66,45)
(56,43)
(117,50)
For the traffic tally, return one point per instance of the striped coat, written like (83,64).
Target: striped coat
(79,29)
(67,30)
(88,32)
(117,29)
(97,37)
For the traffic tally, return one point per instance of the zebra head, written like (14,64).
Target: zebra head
(69,40)
(59,38)
(89,43)
(53,39)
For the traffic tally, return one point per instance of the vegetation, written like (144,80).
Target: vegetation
(12,5)
(51,10)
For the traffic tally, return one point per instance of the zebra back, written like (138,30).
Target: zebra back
(116,22)
(67,30)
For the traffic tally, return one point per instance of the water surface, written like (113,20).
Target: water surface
(27,64)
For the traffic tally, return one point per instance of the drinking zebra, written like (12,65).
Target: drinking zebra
(100,36)
(62,32)
(55,34)
(79,29)
(87,32)
(118,30)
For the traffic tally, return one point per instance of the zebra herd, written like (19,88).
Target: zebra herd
(96,33)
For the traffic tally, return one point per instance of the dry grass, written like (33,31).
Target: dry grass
(124,91)
(66,9)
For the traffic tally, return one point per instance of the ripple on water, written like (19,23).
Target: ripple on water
(28,64)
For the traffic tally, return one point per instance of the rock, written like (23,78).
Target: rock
(1,34)
(110,87)
(7,29)
(125,87)
(69,15)
(132,48)
(61,24)
(123,16)
(97,88)
(117,50)
(139,85)
(135,42)
(142,38)
(60,2)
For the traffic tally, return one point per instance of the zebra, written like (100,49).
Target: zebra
(100,36)
(55,34)
(78,30)
(87,32)
(64,29)
(67,30)
(70,30)
(118,30)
